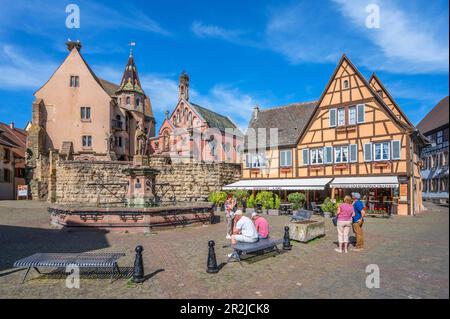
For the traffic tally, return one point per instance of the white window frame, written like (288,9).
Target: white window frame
(337,118)
(258,160)
(355,119)
(315,153)
(286,157)
(88,143)
(341,148)
(305,150)
(382,158)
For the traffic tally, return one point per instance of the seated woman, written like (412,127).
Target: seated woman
(262,225)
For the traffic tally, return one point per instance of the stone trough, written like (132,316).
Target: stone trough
(132,219)
(304,231)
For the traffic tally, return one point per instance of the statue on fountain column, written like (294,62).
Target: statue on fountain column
(141,139)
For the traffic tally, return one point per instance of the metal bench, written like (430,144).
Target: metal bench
(248,248)
(82,260)
(301,215)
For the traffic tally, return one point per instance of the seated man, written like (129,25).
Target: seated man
(244,230)
(262,225)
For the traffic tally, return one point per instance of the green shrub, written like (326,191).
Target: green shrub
(329,206)
(265,198)
(218,198)
(240,194)
(251,201)
(297,200)
(277,202)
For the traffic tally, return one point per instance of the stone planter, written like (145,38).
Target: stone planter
(307,230)
(273,212)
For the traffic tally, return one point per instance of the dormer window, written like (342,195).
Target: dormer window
(345,85)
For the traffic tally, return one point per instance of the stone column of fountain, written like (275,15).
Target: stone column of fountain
(141,183)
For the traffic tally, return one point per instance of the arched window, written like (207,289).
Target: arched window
(128,100)
(166,141)
(190,118)
(138,101)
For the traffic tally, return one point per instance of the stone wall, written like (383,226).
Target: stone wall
(185,181)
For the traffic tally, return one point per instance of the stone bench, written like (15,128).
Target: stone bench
(248,248)
(306,230)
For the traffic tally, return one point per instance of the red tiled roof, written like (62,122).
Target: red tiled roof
(17,136)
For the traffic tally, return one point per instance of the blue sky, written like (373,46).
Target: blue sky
(237,53)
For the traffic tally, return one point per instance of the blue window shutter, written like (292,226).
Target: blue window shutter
(361,113)
(396,147)
(332,117)
(368,152)
(305,156)
(353,153)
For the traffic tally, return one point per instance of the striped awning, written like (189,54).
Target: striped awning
(280,184)
(365,182)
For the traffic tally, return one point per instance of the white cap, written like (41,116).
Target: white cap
(254,214)
(238,212)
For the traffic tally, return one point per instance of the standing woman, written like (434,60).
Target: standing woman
(345,213)
(229,206)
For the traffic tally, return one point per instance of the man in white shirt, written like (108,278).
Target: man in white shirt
(244,230)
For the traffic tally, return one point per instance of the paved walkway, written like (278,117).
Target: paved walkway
(412,254)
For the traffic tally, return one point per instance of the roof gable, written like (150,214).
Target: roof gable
(436,118)
(359,88)
(213,119)
(377,85)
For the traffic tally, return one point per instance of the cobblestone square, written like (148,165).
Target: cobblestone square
(412,254)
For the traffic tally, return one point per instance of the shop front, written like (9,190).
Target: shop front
(380,193)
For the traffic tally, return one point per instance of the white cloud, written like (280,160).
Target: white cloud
(211,31)
(405,42)
(19,71)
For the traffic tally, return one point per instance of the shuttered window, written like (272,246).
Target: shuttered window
(368,152)
(332,117)
(396,147)
(328,155)
(305,156)
(353,153)
(361,113)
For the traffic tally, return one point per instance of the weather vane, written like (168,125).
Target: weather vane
(131,44)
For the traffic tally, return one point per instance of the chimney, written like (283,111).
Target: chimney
(11,125)
(255,112)
(73,44)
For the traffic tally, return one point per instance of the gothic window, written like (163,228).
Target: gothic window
(138,101)
(190,118)
(166,142)
(128,100)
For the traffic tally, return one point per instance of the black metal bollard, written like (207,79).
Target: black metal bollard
(138,271)
(212,262)
(287,241)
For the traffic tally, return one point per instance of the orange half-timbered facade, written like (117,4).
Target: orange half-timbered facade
(355,138)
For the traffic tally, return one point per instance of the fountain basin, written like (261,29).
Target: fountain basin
(132,219)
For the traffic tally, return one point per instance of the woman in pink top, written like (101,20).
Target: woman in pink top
(345,213)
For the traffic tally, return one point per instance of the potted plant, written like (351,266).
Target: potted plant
(241,196)
(265,198)
(297,200)
(218,199)
(250,204)
(275,210)
(329,208)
